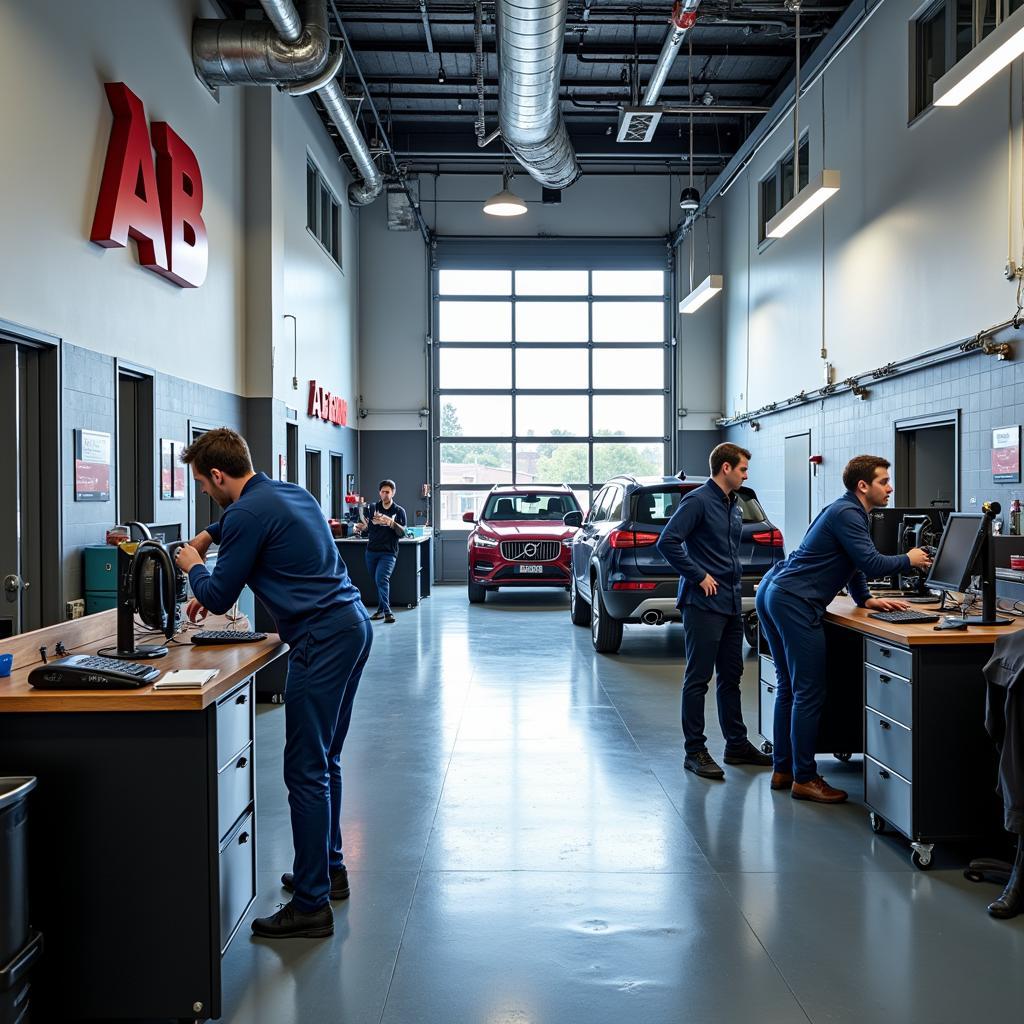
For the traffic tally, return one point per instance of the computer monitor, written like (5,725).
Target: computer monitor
(958,551)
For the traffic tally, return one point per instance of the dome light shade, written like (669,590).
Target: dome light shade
(505,204)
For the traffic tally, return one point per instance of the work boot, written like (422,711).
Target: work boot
(1011,902)
(704,765)
(748,754)
(290,923)
(339,883)
(781,780)
(817,790)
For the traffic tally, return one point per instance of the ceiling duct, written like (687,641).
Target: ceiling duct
(530,36)
(288,53)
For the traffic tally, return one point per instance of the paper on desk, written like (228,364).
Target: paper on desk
(186,679)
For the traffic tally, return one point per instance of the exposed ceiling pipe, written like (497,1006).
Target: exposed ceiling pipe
(684,14)
(530,35)
(425,17)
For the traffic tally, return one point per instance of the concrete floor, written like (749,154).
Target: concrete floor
(524,848)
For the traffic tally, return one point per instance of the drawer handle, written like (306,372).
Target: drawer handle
(884,724)
(770,689)
(242,762)
(241,698)
(882,773)
(243,838)
(882,678)
(884,651)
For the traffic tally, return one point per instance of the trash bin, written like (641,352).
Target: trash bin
(19,948)
(14,984)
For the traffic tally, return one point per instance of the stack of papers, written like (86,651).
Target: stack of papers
(186,679)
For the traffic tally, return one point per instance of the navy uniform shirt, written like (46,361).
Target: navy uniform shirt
(276,539)
(836,552)
(385,538)
(702,538)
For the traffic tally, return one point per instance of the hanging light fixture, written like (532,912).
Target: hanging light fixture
(505,203)
(706,290)
(818,189)
(1003,45)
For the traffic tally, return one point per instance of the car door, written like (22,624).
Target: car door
(585,541)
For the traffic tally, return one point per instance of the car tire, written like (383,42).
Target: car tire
(605,632)
(477,594)
(750,629)
(579,610)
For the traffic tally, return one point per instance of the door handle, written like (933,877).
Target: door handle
(884,724)
(12,584)
(884,678)
(883,774)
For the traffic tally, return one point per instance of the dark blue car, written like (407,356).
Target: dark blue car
(618,574)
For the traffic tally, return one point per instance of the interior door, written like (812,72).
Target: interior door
(797,489)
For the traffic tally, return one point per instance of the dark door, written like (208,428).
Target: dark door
(136,475)
(292,452)
(313,473)
(204,509)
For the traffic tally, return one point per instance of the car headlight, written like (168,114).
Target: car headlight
(482,541)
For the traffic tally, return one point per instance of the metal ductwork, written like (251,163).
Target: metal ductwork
(530,35)
(684,14)
(295,56)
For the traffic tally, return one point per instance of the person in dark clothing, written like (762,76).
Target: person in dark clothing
(273,536)
(836,552)
(384,530)
(702,542)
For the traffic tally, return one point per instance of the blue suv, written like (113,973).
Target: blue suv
(618,574)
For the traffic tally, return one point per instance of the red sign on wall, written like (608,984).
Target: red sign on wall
(159,205)
(327,407)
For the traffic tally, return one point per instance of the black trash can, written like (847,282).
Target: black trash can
(19,948)
(14,982)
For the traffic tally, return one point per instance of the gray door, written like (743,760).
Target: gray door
(797,494)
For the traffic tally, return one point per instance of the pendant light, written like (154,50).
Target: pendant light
(505,203)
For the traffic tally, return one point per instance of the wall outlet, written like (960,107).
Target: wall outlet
(74,609)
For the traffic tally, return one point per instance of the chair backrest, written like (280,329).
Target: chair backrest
(556,507)
(503,509)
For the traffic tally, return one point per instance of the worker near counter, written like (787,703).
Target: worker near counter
(836,552)
(385,528)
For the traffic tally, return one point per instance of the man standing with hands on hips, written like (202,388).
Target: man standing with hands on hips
(384,530)
(702,542)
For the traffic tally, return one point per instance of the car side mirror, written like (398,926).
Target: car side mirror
(468,517)
(573,519)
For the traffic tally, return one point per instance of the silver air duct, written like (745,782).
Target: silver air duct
(530,34)
(684,14)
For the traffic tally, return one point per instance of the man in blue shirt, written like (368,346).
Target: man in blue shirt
(385,529)
(836,552)
(273,536)
(702,542)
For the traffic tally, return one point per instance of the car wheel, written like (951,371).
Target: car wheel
(750,629)
(579,610)
(477,594)
(605,632)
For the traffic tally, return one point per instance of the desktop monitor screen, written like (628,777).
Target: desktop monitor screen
(957,553)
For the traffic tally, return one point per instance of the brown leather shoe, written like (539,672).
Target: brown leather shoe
(781,780)
(817,790)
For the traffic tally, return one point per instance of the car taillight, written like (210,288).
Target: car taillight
(632,539)
(772,538)
(623,585)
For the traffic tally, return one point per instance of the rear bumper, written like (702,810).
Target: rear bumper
(630,605)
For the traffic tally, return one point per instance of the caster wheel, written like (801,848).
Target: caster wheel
(767,747)
(410,606)
(845,758)
(877,823)
(973,876)
(921,861)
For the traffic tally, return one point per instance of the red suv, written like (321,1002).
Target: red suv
(520,540)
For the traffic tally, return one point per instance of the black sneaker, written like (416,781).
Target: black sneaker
(377,616)
(748,755)
(289,923)
(388,617)
(704,765)
(339,883)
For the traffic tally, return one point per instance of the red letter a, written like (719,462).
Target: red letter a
(128,205)
(181,201)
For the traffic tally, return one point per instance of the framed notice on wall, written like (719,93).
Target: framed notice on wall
(92,465)
(1006,455)
(172,470)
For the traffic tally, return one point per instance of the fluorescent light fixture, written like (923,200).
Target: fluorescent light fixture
(999,48)
(707,289)
(505,204)
(820,188)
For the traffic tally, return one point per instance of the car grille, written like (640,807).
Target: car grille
(530,550)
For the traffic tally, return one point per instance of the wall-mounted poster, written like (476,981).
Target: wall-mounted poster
(92,465)
(172,470)
(1006,455)
(178,470)
(282,468)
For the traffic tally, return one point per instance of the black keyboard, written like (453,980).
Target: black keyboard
(227,636)
(91,672)
(904,617)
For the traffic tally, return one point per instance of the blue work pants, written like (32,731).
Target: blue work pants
(381,564)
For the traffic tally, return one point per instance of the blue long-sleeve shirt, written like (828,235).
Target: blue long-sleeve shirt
(275,539)
(836,552)
(702,538)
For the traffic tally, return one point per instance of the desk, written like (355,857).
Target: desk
(409,582)
(142,852)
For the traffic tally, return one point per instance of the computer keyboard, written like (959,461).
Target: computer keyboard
(904,617)
(91,672)
(226,636)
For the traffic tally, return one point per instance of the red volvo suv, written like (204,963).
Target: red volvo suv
(520,539)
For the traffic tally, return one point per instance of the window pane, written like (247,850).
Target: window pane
(655,508)
(336,232)
(629,321)
(475,321)
(551,368)
(311,192)
(454,503)
(640,459)
(325,216)
(551,282)
(475,282)
(477,368)
(551,321)
(551,463)
(551,415)
(629,282)
(633,415)
(476,463)
(768,202)
(629,368)
(476,416)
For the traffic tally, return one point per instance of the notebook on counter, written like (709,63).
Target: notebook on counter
(186,679)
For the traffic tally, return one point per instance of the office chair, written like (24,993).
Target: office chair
(556,508)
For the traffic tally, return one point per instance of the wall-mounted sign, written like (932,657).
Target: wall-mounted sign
(327,407)
(282,468)
(160,205)
(1006,455)
(92,465)
(172,470)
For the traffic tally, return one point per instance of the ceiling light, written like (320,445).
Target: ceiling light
(998,49)
(459,103)
(820,188)
(689,200)
(708,98)
(707,289)
(441,76)
(505,203)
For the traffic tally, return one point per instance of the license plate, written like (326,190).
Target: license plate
(525,570)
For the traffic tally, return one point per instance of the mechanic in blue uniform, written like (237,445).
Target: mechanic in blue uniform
(383,531)
(702,543)
(836,552)
(274,537)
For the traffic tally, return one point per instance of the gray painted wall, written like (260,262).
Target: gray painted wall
(402,456)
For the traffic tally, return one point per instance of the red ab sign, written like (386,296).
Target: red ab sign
(328,407)
(159,206)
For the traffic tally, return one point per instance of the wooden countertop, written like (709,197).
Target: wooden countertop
(844,612)
(86,635)
(362,540)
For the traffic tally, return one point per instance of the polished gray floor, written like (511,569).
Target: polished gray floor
(524,848)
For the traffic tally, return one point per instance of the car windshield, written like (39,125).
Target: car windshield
(655,508)
(529,508)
